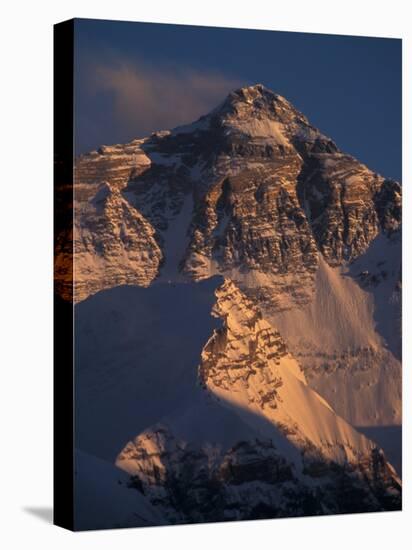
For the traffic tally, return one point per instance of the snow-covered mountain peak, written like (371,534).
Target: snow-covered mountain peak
(257,111)
(259,97)
(250,418)
(252,112)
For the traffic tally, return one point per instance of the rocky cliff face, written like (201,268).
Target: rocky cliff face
(347,205)
(112,233)
(251,480)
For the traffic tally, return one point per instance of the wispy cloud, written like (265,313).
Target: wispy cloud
(132,99)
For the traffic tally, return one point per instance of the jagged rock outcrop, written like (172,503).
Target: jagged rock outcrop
(114,164)
(113,244)
(245,353)
(252,480)
(347,205)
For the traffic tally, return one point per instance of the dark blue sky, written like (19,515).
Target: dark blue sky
(135,78)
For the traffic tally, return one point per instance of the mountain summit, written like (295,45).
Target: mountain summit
(259,102)
(308,242)
(257,112)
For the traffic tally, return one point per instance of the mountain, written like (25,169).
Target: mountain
(307,241)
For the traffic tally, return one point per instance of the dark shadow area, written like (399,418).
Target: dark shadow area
(137,351)
(44,513)
(390,439)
